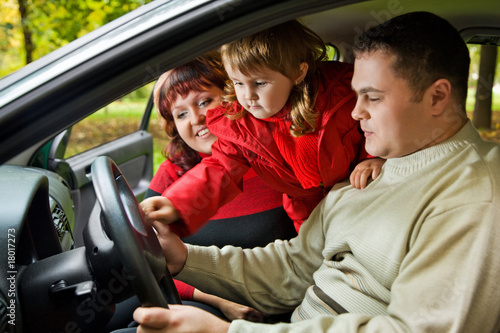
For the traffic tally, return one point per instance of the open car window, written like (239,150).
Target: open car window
(115,120)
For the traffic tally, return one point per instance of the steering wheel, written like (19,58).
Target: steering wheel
(134,239)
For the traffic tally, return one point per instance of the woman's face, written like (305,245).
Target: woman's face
(189,117)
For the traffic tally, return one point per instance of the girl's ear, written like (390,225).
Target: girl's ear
(303,68)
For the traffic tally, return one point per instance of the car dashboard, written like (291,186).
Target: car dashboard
(36,221)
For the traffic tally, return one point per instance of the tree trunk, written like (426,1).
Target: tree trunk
(482,109)
(28,40)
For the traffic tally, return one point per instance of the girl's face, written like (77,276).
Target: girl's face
(263,93)
(189,117)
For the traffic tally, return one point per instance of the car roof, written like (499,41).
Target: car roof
(340,26)
(56,91)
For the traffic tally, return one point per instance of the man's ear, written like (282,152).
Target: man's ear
(440,95)
(303,68)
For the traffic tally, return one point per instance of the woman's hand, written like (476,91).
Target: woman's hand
(234,311)
(364,170)
(179,318)
(230,309)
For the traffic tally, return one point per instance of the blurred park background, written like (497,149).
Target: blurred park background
(30,29)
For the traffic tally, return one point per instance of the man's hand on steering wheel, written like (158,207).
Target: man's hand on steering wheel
(174,249)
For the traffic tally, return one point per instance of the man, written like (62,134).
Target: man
(414,251)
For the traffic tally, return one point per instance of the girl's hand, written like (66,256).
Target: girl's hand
(159,209)
(179,318)
(364,170)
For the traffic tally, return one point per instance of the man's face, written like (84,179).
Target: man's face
(393,123)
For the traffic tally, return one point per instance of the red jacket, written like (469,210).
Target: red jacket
(248,142)
(256,198)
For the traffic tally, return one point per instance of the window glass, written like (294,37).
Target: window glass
(160,139)
(483,97)
(332,52)
(115,120)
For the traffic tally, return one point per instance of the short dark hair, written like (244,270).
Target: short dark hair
(426,48)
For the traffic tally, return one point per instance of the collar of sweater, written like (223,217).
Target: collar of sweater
(409,164)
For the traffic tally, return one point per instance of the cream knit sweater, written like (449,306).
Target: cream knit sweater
(418,250)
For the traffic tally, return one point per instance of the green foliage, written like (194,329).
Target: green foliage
(52,24)
(11,44)
(141,93)
(475,57)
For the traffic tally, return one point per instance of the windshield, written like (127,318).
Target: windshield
(96,46)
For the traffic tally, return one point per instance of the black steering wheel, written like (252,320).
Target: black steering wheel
(134,239)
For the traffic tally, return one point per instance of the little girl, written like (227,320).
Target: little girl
(287,116)
(182,97)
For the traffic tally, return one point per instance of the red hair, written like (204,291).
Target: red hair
(197,75)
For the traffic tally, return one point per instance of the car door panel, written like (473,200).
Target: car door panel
(133,155)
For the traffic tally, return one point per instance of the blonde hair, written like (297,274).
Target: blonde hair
(281,48)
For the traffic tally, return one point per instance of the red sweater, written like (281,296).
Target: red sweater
(249,142)
(257,197)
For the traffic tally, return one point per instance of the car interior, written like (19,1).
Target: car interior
(74,240)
